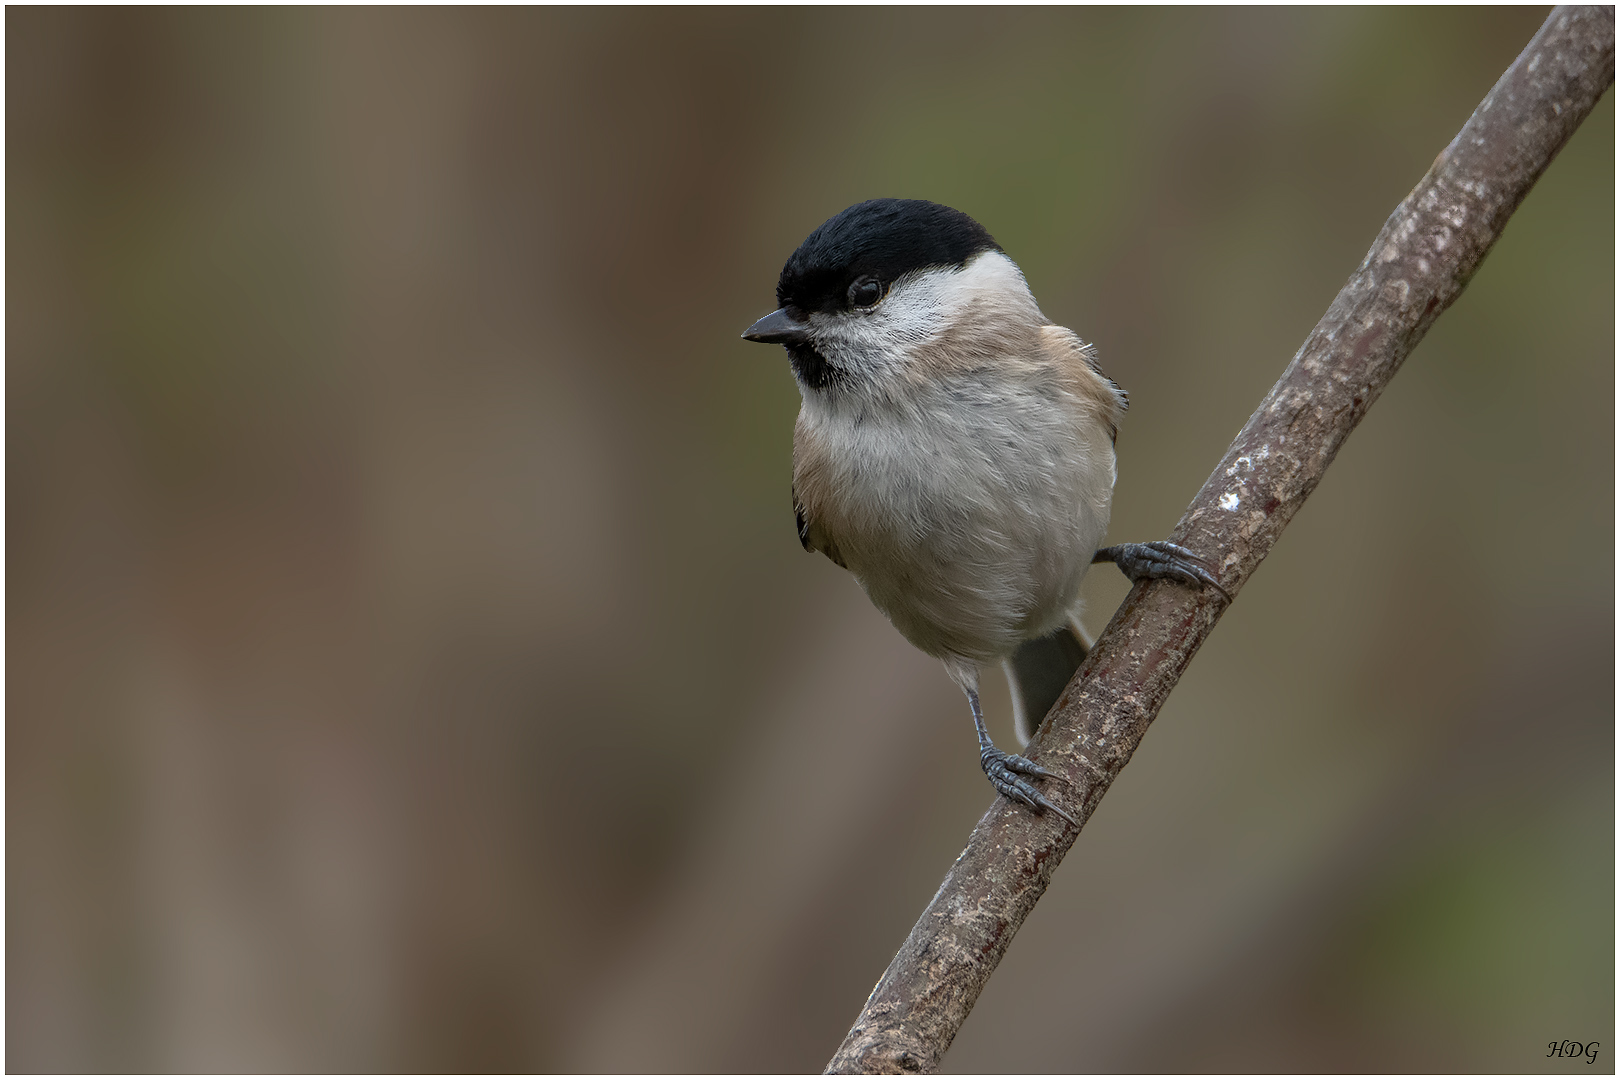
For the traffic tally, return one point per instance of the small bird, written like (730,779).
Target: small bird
(955,452)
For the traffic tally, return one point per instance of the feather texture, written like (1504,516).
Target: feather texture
(962,467)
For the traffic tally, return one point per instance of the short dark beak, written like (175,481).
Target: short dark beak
(778,328)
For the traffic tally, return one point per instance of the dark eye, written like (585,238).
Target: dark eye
(865,292)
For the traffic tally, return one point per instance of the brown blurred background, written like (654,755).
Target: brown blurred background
(412,664)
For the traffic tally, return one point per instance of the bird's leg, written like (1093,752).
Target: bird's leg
(1160,559)
(1003,768)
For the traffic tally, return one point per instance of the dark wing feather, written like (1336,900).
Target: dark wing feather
(803,522)
(804,527)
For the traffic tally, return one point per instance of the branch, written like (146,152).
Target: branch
(1429,248)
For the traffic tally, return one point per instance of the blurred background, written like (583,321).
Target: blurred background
(412,665)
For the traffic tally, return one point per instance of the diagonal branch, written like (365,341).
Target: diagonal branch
(1429,248)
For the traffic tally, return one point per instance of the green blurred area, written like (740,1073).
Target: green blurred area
(411,662)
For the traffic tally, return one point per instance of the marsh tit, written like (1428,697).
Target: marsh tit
(955,452)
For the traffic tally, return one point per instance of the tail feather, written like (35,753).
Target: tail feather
(1038,672)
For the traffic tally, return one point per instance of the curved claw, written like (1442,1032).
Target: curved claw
(1184,565)
(1020,764)
(1003,769)
(1161,559)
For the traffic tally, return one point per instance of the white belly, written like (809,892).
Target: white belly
(968,515)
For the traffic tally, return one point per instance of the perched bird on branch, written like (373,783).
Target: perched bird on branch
(955,452)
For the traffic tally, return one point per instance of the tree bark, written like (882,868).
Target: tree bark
(1428,249)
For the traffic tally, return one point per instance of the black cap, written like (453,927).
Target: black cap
(881,239)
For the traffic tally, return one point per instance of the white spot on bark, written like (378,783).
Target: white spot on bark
(1229,501)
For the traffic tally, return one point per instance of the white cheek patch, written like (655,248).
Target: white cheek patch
(919,306)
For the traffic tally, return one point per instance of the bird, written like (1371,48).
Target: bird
(955,452)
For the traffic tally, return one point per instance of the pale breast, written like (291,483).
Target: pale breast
(968,507)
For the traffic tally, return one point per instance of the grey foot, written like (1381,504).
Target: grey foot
(1003,769)
(1160,559)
